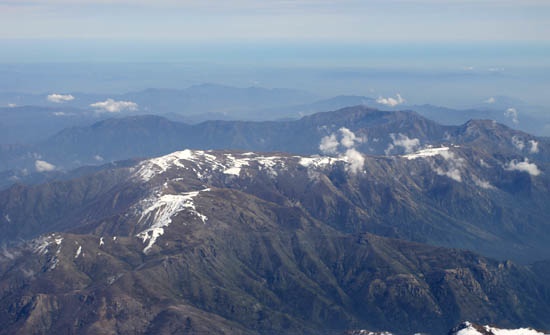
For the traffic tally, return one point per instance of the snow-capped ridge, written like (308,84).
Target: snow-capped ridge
(201,162)
(468,328)
(427,152)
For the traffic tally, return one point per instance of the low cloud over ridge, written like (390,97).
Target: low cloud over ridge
(402,140)
(389,101)
(330,145)
(59,98)
(43,166)
(512,113)
(113,106)
(524,166)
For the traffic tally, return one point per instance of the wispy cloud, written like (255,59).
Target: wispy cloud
(113,106)
(534,146)
(482,183)
(403,141)
(512,113)
(491,100)
(454,165)
(389,101)
(518,143)
(59,98)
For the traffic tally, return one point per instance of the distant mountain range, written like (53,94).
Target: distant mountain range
(34,117)
(379,133)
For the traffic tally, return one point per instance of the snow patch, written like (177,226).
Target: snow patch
(319,161)
(157,212)
(78,252)
(41,244)
(470,329)
(236,165)
(453,163)
(428,152)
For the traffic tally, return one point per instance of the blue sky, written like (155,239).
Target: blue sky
(284,20)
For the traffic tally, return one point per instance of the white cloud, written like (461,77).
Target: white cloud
(512,113)
(534,146)
(43,166)
(389,101)
(524,166)
(401,140)
(348,138)
(12,105)
(454,165)
(356,160)
(98,158)
(329,144)
(59,98)
(451,173)
(518,143)
(113,106)
(482,183)
(484,164)
(491,100)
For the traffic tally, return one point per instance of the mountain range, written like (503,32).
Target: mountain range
(30,118)
(145,136)
(344,220)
